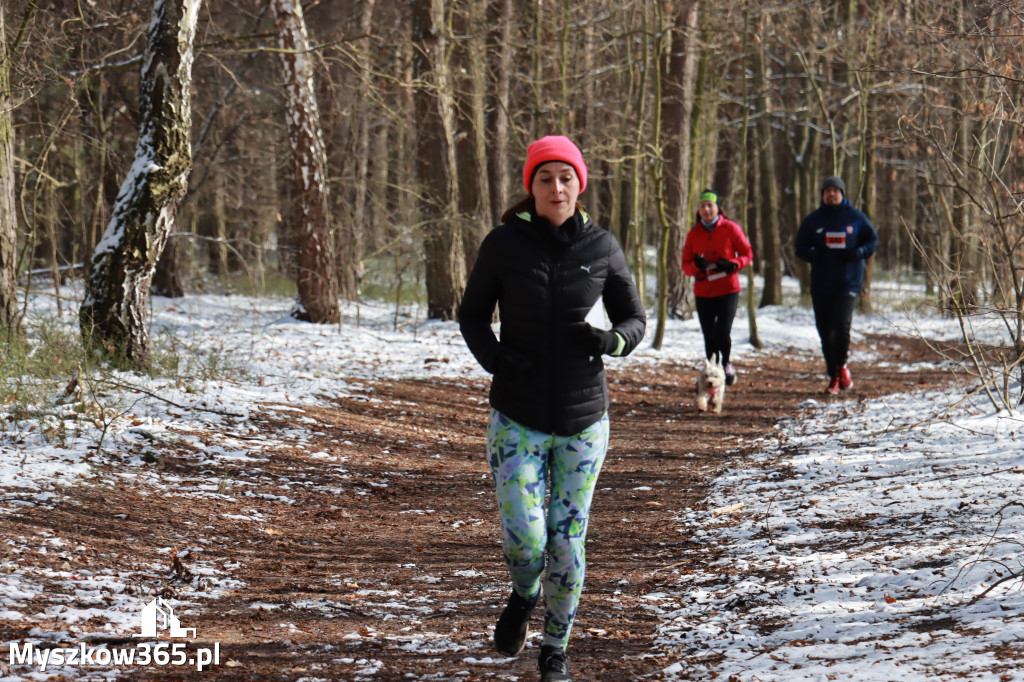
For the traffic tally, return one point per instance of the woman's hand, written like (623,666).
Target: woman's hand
(726,265)
(596,341)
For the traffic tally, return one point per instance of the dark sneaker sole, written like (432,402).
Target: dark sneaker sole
(509,653)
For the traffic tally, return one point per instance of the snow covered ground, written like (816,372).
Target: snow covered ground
(935,506)
(869,539)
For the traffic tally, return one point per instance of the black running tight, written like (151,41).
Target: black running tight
(716,315)
(833,315)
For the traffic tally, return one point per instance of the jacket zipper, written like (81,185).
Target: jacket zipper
(553,297)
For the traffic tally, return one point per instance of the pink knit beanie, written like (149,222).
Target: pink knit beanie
(554,148)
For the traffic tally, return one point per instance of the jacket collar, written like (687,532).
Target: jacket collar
(566,234)
(843,204)
(714,223)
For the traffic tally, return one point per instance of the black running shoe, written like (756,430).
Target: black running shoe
(554,664)
(511,629)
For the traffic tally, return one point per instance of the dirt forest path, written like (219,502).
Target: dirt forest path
(376,553)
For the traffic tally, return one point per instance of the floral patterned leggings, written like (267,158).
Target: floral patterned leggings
(523,462)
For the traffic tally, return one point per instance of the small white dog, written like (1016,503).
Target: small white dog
(711,386)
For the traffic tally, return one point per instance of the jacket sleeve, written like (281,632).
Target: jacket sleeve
(867,238)
(477,307)
(744,254)
(803,245)
(621,300)
(689,269)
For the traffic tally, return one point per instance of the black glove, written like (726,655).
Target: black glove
(726,265)
(511,362)
(852,255)
(596,341)
(700,261)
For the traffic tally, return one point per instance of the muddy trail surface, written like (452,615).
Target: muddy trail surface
(371,550)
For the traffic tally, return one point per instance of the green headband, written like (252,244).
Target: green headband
(709,196)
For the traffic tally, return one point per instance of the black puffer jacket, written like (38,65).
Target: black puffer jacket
(544,281)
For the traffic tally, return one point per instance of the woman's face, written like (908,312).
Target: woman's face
(708,211)
(555,189)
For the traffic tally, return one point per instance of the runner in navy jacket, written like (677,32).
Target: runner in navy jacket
(835,239)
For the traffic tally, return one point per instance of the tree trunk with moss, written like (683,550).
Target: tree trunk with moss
(113,313)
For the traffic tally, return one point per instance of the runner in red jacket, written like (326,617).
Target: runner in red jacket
(714,252)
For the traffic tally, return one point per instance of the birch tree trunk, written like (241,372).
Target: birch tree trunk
(442,238)
(317,279)
(113,313)
(169,275)
(9,323)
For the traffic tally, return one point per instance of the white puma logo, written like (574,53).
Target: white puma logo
(586,268)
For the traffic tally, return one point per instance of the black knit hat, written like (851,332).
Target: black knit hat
(833,181)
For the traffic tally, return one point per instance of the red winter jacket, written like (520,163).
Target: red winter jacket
(725,240)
